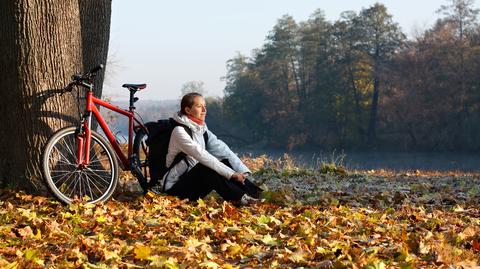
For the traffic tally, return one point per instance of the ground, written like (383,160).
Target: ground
(312,218)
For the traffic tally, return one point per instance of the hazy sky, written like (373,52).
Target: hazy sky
(168,43)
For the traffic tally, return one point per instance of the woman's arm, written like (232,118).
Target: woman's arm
(219,149)
(187,145)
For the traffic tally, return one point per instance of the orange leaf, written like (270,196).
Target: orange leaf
(476,245)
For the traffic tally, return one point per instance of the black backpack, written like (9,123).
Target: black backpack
(159,133)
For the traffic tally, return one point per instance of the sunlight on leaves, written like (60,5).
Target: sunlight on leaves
(142,252)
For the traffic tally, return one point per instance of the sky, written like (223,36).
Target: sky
(166,44)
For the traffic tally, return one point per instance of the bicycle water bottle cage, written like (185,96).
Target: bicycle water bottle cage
(135,87)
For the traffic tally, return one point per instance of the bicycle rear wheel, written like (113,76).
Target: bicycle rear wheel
(67,180)
(140,168)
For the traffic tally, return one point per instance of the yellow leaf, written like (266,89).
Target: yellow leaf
(150,195)
(252,250)
(263,219)
(89,206)
(171,263)
(200,203)
(161,262)
(111,255)
(232,229)
(375,265)
(423,248)
(67,215)
(142,252)
(209,254)
(298,256)
(209,264)
(28,213)
(407,265)
(323,251)
(32,255)
(234,249)
(13,265)
(269,240)
(101,219)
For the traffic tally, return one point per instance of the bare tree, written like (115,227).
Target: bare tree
(193,86)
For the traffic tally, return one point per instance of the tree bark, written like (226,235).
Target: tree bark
(41,48)
(8,83)
(95,29)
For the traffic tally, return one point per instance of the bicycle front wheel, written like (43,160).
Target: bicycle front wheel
(69,181)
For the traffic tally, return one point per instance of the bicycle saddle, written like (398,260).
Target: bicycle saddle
(135,87)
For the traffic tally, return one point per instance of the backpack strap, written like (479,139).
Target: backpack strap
(180,156)
(205,138)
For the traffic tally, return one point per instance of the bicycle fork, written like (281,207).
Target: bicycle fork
(84,138)
(84,134)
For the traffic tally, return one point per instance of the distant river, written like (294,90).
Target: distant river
(403,161)
(465,162)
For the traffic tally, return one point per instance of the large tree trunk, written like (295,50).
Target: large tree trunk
(8,83)
(42,46)
(95,28)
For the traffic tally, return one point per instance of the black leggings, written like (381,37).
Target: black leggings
(201,180)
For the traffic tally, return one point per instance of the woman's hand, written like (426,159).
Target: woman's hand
(239,177)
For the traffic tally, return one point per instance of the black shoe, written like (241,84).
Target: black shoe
(252,189)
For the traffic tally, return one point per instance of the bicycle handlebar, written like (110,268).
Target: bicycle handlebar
(84,80)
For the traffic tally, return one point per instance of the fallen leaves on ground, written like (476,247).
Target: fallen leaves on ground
(310,219)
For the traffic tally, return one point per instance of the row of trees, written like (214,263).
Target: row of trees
(359,83)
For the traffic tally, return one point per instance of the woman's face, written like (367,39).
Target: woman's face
(198,109)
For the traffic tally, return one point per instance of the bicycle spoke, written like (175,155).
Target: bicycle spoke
(67,176)
(100,160)
(96,170)
(87,183)
(66,163)
(80,179)
(94,178)
(86,187)
(62,171)
(71,151)
(74,185)
(100,177)
(94,185)
(62,156)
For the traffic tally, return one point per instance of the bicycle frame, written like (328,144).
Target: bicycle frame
(84,139)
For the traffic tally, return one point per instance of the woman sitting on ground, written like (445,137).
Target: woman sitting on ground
(207,166)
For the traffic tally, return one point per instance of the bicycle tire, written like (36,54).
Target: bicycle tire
(99,179)
(140,159)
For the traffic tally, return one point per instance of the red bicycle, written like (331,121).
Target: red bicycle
(80,164)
